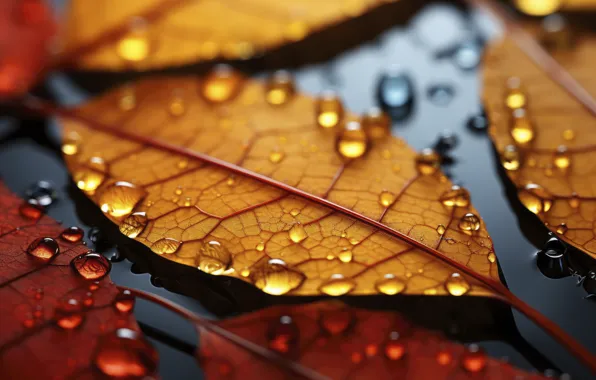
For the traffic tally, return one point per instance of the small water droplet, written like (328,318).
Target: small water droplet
(515,97)
(456,285)
(90,176)
(562,159)
(245,272)
(182,164)
(469,222)
(31,211)
(510,158)
(276,156)
(473,359)
(386,198)
(446,142)
(91,266)
(38,295)
(297,233)
(329,110)
(441,229)
(88,300)
(394,348)
(93,286)
(44,248)
(574,200)
(177,106)
(42,193)
(535,198)
(280,88)
(444,358)
(214,258)
(125,354)
(72,234)
(478,123)
(395,93)
(71,144)
(345,255)
(120,198)
(552,260)
(231,181)
(352,141)
(134,224)
(521,127)
(124,302)
(440,94)
(562,229)
(221,84)
(135,45)
(468,55)
(390,285)
(376,123)
(283,335)
(69,314)
(337,285)
(455,197)
(165,246)
(260,246)
(428,162)
(336,322)
(274,277)
(492,257)
(295,212)
(568,135)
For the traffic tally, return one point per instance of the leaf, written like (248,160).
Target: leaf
(554,172)
(332,340)
(162,33)
(259,192)
(55,323)
(546,7)
(26,28)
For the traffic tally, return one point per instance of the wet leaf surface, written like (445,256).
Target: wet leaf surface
(545,135)
(55,322)
(261,192)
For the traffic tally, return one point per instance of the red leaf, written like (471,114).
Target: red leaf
(54,323)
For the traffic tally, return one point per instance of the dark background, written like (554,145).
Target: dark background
(445,98)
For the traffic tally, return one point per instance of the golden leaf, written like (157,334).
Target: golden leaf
(259,192)
(546,7)
(543,123)
(152,34)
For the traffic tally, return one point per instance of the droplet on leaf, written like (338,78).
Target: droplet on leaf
(568,135)
(535,198)
(394,348)
(456,285)
(376,123)
(562,229)
(510,158)
(456,197)
(473,359)
(441,229)
(329,110)
(469,222)
(44,248)
(90,176)
(386,198)
(283,335)
(297,233)
(124,302)
(390,285)
(260,246)
(31,211)
(135,45)
(276,156)
(71,144)
(345,255)
(69,314)
(125,354)
(177,106)
(165,246)
(120,198)
(574,200)
(214,258)
(428,162)
(134,224)
(91,266)
(274,277)
(42,193)
(521,127)
(337,285)
(515,97)
(295,212)
(562,159)
(221,84)
(280,88)
(352,141)
(335,322)
(444,357)
(72,234)
(128,98)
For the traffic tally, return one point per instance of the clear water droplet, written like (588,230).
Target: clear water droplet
(165,246)
(329,110)
(337,285)
(42,193)
(390,285)
(44,248)
(72,234)
(352,141)
(456,285)
(280,88)
(134,224)
(221,85)
(69,314)
(274,277)
(120,198)
(456,197)
(91,266)
(214,258)
(469,222)
(395,92)
(125,354)
(376,123)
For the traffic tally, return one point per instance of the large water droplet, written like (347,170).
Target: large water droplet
(120,198)
(72,234)
(91,175)
(42,193)
(221,84)
(134,224)
(329,110)
(457,196)
(214,258)
(31,211)
(352,141)
(337,285)
(390,285)
(297,233)
(280,88)
(124,302)
(135,45)
(552,259)
(125,354)
(283,335)
(274,277)
(456,285)
(535,198)
(386,198)
(345,255)
(469,222)
(69,314)
(428,162)
(396,95)
(165,246)
(91,266)
(473,359)
(44,248)
(376,123)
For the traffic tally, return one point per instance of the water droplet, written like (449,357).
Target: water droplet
(556,34)
(440,94)
(44,248)
(455,197)
(91,175)
(473,359)
(128,98)
(69,314)
(135,45)
(538,8)
(91,266)
(283,335)
(231,181)
(134,224)
(221,84)
(182,164)
(345,255)
(295,212)
(245,272)
(120,198)
(329,110)
(376,123)
(510,158)
(478,123)
(441,229)
(552,260)
(31,211)
(88,300)
(280,88)
(456,285)
(274,277)
(562,228)
(492,257)
(469,222)
(125,354)
(335,322)
(395,93)
(352,141)
(124,302)
(515,97)
(521,127)
(428,162)
(394,349)
(386,198)
(165,246)
(390,285)
(568,135)
(214,258)
(260,246)
(562,159)
(468,55)
(444,358)
(535,198)
(297,233)
(446,141)
(574,200)
(276,156)
(72,234)
(38,294)
(71,144)
(41,193)
(337,285)
(177,106)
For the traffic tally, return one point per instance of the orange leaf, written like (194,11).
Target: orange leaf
(545,135)
(233,185)
(61,316)
(143,34)
(546,7)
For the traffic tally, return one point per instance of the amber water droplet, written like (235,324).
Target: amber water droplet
(345,255)
(260,246)
(535,198)
(444,358)
(120,198)
(456,285)
(521,127)
(165,246)
(31,211)
(441,229)
(38,294)
(335,322)
(574,200)
(44,248)
(280,88)
(473,359)
(71,144)
(390,285)
(221,84)
(428,162)
(394,348)
(245,272)
(90,176)
(182,164)
(456,196)
(295,212)
(492,257)
(231,181)
(214,258)
(329,110)
(568,135)
(276,156)
(283,335)
(274,277)
(376,123)
(562,229)
(128,98)
(510,158)
(125,354)
(72,234)
(135,45)
(297,233)
(88,300)
(134,224)
(94,286)
(177,106)
(337,285)
(469,222)
(562,159)
(91,266)
(351,141)
(69,314)
(124,302)
(386,198)
(515,97)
